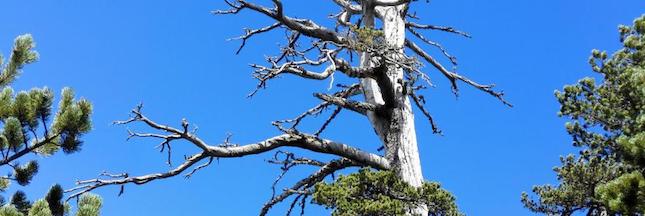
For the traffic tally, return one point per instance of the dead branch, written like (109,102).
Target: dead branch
(91,184)
(293,139)
(453,59)
(453,77)
(251,32)
(308,182)
(356,106)
(419,101)
(346,93)
(304,26)
(411,25)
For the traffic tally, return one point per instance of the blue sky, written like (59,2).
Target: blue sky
(173,56)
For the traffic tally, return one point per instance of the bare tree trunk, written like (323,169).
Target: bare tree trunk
(402,131)
(370,86)
(395,128)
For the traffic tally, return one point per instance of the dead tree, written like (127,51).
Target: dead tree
(388,74)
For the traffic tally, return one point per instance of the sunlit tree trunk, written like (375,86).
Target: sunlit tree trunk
(395,128)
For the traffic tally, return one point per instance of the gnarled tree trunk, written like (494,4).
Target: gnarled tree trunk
(395,126)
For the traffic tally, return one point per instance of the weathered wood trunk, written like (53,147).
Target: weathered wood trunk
(395,126)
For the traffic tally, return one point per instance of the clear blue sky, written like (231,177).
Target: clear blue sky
(173,56)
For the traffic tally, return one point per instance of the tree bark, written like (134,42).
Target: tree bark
(395,126)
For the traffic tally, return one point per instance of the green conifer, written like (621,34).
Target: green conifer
(25,120)
(9,210)
(51,205)
(54,200)
(20,202)
(27,126)
(40,208)
(382,193)
(89,205)
(607,121)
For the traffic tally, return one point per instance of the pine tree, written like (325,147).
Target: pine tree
(88,205)
(368,45)
(20,201)
(22,113)
(54,200)
(40,208)
(9,210)
(382,193)
(607,121)
(27,127)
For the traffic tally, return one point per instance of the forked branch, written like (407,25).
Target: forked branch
(454,77)
(306,183)
(228,150)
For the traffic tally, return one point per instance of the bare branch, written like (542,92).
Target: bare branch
(435,44)
(355,106)
(328,121)
(293,139)
(318,109)
(251,32)
(304,26)
(349,7)
(385,3)
(308,182)
(290,48)
(210,160)
(89,185)
(411,25)
(287,163)
(419,101)
(234,9)
(264,73)
(453,77)
(304,141)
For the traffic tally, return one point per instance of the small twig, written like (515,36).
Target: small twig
(419,101)
(434,27)
(210,160)
(251,32)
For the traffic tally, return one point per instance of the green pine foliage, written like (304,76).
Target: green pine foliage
(23,174)
(51,205)
(365,38)
(9,210)
(625,194)
(54,200)
(89,205)
(382,193)
(20,202)
(607,121)
(28,124)
(21,55)
(40,208)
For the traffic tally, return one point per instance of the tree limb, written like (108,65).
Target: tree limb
(8,159)
(89,185)
(410,25)
(304,26)
(308,182)
(352,105)
(453,77)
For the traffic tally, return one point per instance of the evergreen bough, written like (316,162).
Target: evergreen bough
(26,126)
(51,205)
(382,193)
